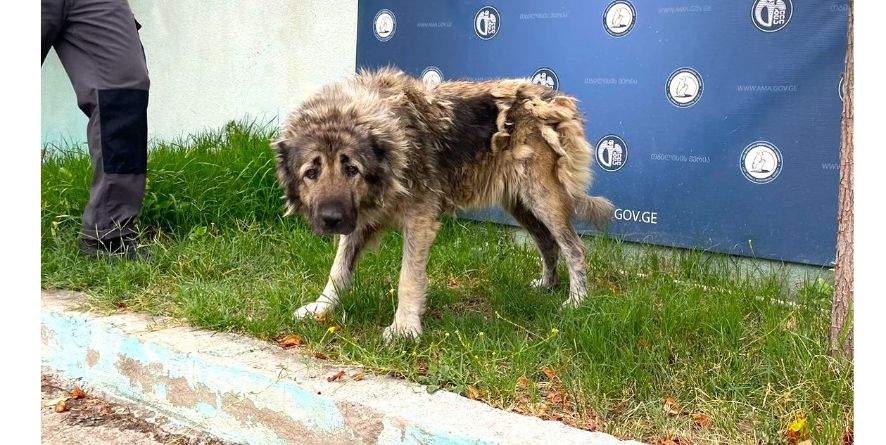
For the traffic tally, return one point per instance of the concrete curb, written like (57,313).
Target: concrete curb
(244,390)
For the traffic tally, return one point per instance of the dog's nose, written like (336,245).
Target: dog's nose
(331,217)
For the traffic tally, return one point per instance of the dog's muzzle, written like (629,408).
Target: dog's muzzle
(333,218)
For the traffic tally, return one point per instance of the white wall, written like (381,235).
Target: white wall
(212,61)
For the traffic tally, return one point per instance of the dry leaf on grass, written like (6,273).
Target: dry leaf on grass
(336,376)
(549,372)
(61,407)
(848,438)
(670,407)
(290,341)
(522,382)
(77,393)
(472,392)
(701,420)
(358,376)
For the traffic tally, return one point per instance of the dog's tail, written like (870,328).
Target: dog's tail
(594,209)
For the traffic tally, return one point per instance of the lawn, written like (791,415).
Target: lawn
(672,344)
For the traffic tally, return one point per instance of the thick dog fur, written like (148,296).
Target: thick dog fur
(383,150)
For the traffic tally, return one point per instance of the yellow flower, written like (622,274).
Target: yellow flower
(555,331)
(331,329)
(481,333)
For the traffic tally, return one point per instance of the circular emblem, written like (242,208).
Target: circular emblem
(761,162)
(384,25)
(611,153)
(841,88)
(771,15)
(684,87)
(487,22)
(432,76)
(619,18)
(546,77)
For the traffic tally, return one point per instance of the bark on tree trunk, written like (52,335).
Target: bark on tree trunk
(841,312)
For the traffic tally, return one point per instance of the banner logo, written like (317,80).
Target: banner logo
(619,18)
(487,22)
(432,76)
(384,25)
(771,15)
(546,77)
(761,162)
(684,87)
(612,153)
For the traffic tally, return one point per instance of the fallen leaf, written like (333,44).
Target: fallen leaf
(320,355)
(290,341)
(848,438)
(473,394)
(798,430)
(336,376)
(522,382)
(77,393)
(61,407)
(702,420)
(549,372)
(670,407)
(358,376)
(667,442)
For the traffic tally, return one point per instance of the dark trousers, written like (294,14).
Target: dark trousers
(98,44)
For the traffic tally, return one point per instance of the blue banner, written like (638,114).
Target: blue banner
(716,124)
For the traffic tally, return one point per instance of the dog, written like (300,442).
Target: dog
(385,151)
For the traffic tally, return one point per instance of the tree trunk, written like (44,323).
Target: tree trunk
(841,314)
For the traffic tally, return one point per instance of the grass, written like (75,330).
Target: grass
(661,323)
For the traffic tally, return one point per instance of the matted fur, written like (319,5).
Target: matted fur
(383,150)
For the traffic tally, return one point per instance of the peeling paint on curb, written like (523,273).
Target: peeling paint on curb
(244,390)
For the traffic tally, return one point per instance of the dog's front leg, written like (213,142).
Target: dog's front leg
(418,236)
(349,248)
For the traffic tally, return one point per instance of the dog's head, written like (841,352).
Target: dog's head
(337,156)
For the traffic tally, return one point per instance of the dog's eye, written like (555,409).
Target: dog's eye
(351,171)
(311,173)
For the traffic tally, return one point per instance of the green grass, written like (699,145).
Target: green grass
(660,323)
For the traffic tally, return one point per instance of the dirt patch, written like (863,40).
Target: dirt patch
(85,418)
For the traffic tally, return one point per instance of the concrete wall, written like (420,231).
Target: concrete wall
(211,61)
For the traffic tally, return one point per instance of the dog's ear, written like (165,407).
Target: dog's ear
(388,164)
(284,153)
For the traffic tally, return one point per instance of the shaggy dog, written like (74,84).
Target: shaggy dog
(385,151)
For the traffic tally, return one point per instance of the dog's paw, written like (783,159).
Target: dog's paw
(542,284)
(573,302)
(317,309)
(411,331)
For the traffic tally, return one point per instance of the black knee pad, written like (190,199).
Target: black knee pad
(124,130)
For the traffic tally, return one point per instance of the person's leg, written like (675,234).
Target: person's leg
(100,49)
(52,18)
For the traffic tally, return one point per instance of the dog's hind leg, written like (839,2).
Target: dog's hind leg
(349,249)
(550,202)
(544,240)
(418,236)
